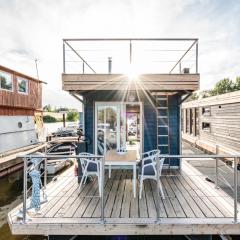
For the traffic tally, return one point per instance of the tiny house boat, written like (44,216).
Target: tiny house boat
(131,94)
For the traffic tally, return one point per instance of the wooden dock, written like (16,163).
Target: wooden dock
(191,206)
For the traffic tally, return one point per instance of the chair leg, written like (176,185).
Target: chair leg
(85,180)
(81,182)
(141,186)
(161,189)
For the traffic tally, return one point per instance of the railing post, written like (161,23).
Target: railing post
(45,168)
(158,190)
(197,57)
(64,57)
(235,190)
(216,168)
(24,189)
(102,189)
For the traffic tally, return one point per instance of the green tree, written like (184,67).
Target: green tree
(72,116)
(49,119)
(223,86)
(237,84)
(47,108)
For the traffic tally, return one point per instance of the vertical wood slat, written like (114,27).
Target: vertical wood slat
(14,103)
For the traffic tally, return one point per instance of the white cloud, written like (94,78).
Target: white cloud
(34,29)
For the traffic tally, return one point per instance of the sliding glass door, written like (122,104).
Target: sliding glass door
(109,126)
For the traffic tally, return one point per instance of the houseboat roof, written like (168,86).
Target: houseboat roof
(150,64)
(227,98)
(2,68)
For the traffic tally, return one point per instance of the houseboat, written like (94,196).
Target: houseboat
(131,90)
(213,123)
(20,113)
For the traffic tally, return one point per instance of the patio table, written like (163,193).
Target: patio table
(112,158)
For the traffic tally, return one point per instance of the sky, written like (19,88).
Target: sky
(34,29)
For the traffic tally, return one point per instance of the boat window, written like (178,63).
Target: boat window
(6,81)
(206,111)
(22,85)
(206,126)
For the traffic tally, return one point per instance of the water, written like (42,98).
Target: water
(10,196)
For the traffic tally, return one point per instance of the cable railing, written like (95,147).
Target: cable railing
(124,55)
(171,178)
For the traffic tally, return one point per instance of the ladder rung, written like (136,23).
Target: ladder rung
(162,107)
(159,135)
(163,145)
(159,98)
(162,116)
(163,126)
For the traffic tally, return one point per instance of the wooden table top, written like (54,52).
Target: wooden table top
(113,156)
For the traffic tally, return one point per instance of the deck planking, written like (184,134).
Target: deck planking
(187,196)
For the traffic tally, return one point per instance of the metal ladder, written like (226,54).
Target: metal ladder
(163,141)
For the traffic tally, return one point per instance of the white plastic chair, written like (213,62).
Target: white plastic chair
(91,166)
(149,171)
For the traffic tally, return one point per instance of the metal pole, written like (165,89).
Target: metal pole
(24,189)
(180,67)
(235,190)
(83,68)
(158,189)
(102,189)
(130,52)
(216,167)
(45,168)
(197,57)
(64,57)
(109,65)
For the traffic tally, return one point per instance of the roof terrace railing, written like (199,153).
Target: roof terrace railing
(130,55)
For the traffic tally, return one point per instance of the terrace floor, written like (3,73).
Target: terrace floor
(191,206)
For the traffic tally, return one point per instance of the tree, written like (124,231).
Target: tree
(72,116)
(237,84)
(47,108)
(223,86)
(49,119)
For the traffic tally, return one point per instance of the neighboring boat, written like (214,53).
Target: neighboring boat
(65,132)
(55,165)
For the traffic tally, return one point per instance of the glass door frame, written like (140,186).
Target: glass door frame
(121,109)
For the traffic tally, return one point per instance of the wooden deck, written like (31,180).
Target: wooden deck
(191,206)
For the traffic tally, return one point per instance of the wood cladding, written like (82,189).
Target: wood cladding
(14,103)
(159,82)
(223,116)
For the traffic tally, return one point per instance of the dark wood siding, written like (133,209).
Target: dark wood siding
(149,119)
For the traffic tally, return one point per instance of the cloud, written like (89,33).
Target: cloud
(34,29)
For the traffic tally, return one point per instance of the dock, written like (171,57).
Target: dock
(191,206)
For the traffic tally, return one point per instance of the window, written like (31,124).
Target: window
(22,85)
(206,111)
(196,122)
(6,81)
(206,126)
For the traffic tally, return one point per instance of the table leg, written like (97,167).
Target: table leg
(134,179)
(109,171)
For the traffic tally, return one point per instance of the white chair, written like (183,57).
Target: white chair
(149,171)
(91,166)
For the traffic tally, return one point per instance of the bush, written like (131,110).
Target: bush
(72,116)
(49,119)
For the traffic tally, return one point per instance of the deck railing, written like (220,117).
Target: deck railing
(27,168)
(130,55)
